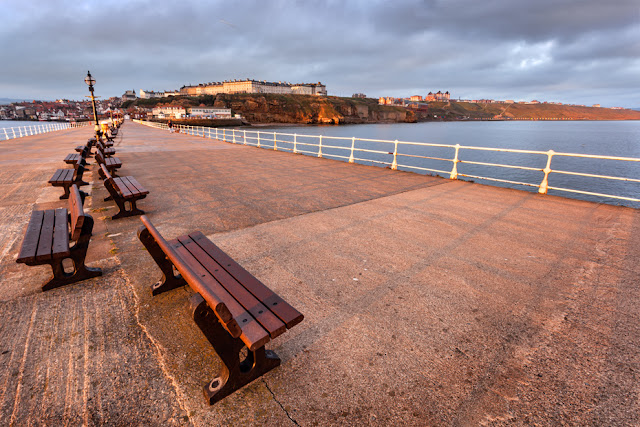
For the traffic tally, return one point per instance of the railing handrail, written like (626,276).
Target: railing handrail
(270,139)
(35,129)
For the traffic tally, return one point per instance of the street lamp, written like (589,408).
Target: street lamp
(91,81)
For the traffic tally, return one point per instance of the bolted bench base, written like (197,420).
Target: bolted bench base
(80,271)
(235,373)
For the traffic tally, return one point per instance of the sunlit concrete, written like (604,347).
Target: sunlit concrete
(426,301)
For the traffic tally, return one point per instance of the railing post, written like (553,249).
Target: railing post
(14,132)
(224,135)
(244,136)
(394,164)
(320,147)
(275,146)
(216,133)
(295,143)
(6,135)
(234,135)
(258,139)
(544,185)
(353,145)
(454,171)
(20,130)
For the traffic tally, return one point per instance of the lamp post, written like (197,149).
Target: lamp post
(91,81)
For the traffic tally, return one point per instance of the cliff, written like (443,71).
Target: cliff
(476,111)
(270,108)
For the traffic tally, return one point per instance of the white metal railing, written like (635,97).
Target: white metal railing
(20,131)
(399,150)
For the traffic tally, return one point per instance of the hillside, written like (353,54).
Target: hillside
(465,110)
(270,108)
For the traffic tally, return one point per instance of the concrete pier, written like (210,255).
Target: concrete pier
(426,301)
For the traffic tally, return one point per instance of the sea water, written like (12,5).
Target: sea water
(607,138)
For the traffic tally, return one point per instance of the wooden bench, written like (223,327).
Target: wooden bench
(47,242)
(65,178)
(111,163)
(106,151)
(124,191)
(90,143)
(81,157)
(231,307)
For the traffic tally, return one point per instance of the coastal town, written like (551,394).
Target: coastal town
(165,104)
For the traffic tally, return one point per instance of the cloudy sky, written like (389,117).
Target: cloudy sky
(571,51)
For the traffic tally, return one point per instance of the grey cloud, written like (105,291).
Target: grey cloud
(480,49)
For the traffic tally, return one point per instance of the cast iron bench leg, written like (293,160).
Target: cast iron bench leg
(124,212)
(80,272)
(234,373)
(66,192)
(78,255)
(169,280)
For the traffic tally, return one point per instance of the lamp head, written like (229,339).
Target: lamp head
(89,80)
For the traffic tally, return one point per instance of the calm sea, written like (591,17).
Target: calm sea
(18,123)
(609,138)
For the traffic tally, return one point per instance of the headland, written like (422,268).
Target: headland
(307,109)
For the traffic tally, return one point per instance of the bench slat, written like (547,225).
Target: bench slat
(67,176)
(289,315)
(46,236)
(266,318)
(133,191)
(121,184)
(251,332)
(113,162)
(60,234)
(30,242)
(63,175)
(56,176)
(139,189)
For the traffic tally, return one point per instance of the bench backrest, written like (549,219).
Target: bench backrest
(76,213)
(214,302)
(105,173)
(99,157)
(78,172)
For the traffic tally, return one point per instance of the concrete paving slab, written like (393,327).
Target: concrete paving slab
(426,301)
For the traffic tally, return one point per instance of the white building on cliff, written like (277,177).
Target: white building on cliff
(254,86)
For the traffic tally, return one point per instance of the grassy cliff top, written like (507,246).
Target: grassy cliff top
(309,104)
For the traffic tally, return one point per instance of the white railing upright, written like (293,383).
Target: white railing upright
(358,153)
(22,131)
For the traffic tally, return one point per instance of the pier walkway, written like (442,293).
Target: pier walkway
(426,301)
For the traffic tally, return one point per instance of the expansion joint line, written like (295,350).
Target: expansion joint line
(278,402)
(158,347)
